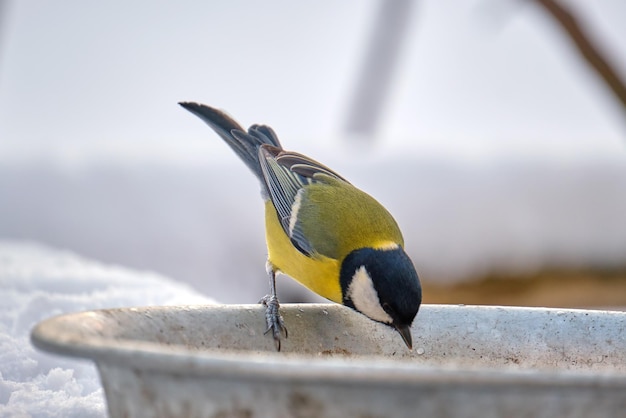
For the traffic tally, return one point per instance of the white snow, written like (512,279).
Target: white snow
(36,283)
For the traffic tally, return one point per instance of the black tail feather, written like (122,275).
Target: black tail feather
(245,144)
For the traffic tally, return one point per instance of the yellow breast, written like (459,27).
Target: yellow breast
(320,274)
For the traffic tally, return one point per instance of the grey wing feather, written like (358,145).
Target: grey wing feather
(283,174)
(286,174)
(305,166)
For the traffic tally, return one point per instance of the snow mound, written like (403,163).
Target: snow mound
(38,282)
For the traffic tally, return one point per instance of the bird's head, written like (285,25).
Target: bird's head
(382,284)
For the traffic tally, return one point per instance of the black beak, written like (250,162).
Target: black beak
(405,333)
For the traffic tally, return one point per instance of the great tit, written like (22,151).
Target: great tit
(323,232)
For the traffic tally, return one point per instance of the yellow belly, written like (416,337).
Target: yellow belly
(320,274)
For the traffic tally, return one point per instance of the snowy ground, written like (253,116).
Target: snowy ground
(37,282)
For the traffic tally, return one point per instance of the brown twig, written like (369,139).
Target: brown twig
(590,52)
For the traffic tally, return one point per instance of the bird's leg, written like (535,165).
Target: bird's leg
(273,319)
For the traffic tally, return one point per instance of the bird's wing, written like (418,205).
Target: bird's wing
(287,175)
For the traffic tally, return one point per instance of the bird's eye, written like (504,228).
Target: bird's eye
(386,307)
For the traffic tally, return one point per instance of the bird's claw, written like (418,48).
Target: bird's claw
(273,319)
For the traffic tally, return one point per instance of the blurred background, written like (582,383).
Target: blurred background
(495,132)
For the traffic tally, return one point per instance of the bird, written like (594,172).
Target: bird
(322,231)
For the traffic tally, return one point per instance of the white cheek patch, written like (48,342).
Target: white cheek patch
(365,298)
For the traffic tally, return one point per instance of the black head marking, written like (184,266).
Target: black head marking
(394,278)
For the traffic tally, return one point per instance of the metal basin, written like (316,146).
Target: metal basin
(467,361)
